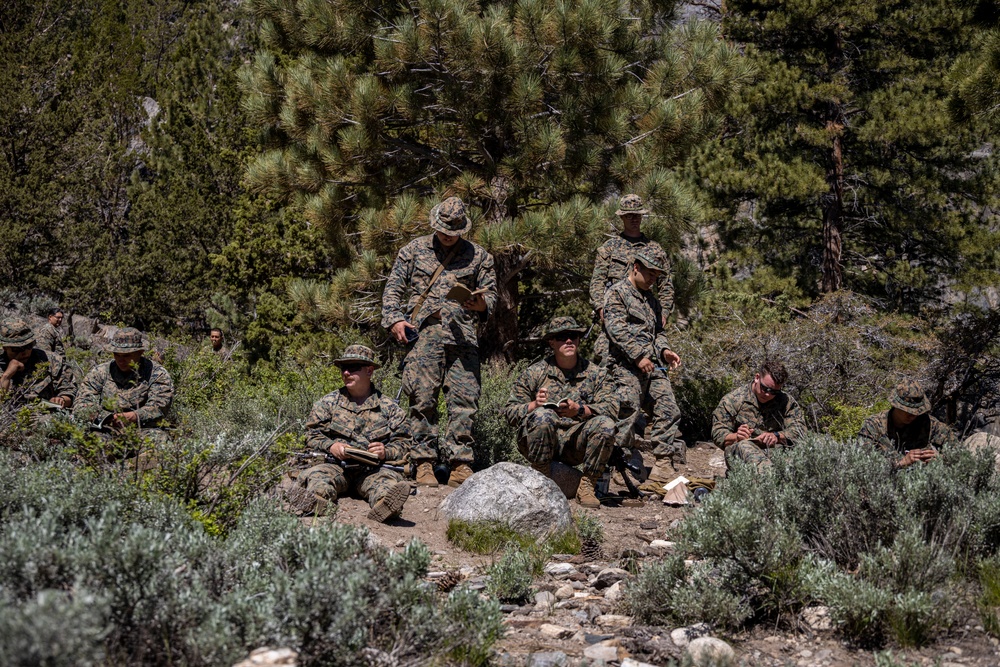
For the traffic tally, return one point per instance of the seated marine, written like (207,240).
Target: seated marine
(906,431)
(564,408)
(28,373)
(357,416)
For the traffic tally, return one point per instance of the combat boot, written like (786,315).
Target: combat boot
(585,493)
(663,470)
(459,473)
(391,504)
(425,474)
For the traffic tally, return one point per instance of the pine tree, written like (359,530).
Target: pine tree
(537,114)
(843,167)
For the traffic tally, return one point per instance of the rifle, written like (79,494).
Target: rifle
(316,458)
(627,469)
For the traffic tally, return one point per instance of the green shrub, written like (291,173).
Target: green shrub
(510,577)
(988,603)
(491,537)
(495,440)
(589,527)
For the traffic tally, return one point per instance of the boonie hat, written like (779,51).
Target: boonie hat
(15,332)
(357,354)
(631,204)
(127,340)
(449,217)
(560,325)
(910,398)
(650,259)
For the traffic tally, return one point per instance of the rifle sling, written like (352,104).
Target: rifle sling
(434,276)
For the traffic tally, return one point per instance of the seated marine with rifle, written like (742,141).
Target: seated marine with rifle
(355,429)
(27,373)
(564,408)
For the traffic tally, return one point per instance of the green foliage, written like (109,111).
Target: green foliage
(832,523)
(589,527)
(495,439)
(846,421)
(988,603)
(491,537)
(510,577)
(95,574)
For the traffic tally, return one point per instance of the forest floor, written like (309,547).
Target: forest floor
(575,618)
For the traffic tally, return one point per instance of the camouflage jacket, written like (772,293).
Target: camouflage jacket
(147,390)
(586,383)
(921,433)
(633,325)
(45,376)
(336,418)
(614,261)
(472,266)
(49,339)
(740,406)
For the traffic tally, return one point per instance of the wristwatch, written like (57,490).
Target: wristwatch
(579,411)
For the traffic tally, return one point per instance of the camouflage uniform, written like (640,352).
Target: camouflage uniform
(544,436)
(46,374)
(925,431)
(446,353)
(336,418)
(614,262)
(146,389)
(634,327)
(50,340)
(780,415)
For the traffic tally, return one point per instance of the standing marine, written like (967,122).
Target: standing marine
(445,349)
(49,338)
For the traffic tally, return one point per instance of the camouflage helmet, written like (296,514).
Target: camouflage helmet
(631,204)
(910,398)
(127,340)
(450,218)
(357,354)
(651,259)
(560,325)
(15,332)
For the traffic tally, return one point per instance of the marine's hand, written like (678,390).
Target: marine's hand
(568,409)
(62,401)
(399,330)
(476,303)
(744,432)
(926,454)
(768,439)
(122,418)
(646,366)
(541,396)
(13,368)
(672,358)
(337,450)
(378,449)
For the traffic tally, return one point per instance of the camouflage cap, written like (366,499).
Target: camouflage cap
(357,354)
(631,204)
(910,398)
(450,218)
(127,340)
(560,325)
(651,259)
(15,332)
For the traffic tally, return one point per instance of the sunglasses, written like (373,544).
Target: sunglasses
(770,391)
(352,368)
(564,336)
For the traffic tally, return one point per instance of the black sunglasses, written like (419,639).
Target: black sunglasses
(566,335)
(352,368)
(768,390)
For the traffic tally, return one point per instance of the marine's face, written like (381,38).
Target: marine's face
(645,277)
(902,418)
(357,377)
(56,320)
(216,338)
(125,361)
(565,344)
(19,353)
(447,240)
(764,388)
(631,223)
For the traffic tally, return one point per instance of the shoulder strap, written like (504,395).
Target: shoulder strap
(434,276)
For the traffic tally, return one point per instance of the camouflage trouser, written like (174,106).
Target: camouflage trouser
(601,349)
(329,481)
(546,437)
(431,366)
(747,451)
(654,394)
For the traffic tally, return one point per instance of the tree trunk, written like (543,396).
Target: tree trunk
(833,212)
(498,337)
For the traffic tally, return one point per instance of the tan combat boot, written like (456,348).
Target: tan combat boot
(391,504)
(425,474)
(585,492)
(663,471)
(459,474)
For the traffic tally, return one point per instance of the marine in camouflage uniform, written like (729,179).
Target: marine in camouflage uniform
(906,432)
(755,418)
(580,432)
(446,353)
(638,350)
(130,390)
(27,373)
(614,262)
(358,416)
(49,339)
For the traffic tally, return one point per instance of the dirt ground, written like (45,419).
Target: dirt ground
(590,619)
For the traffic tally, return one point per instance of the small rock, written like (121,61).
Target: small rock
(629,662)
(601,652)
(271,657)
(508,608)
(710,652)
(662,544)
(956,650)
(825,654)
(593,611)
(595,639)
(565,591)
(544,601)
(554,631)
(567,604)
(547,659)
(817,618)
(614,592)
(614,620)
(649,525)
(608,577)
(683,636)
(467,571)
(559,569)
(400,542)
(435,575)
(805,653)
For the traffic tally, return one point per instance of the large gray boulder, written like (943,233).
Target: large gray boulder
(980,441)
(516,495)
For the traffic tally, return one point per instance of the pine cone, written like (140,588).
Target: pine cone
(449,581)
(591,549)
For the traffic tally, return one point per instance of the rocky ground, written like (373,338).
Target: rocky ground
(575,618)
